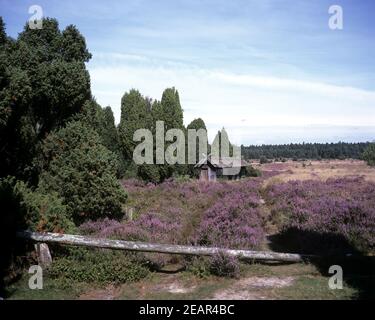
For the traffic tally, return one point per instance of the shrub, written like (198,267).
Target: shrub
(250,171)
(369,155)
(234,220)
(336,209)
(223,265)
(199,266)
(43,212)
(82,172)
(101,266)
(263,160)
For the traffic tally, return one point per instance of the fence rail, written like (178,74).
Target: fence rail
(77,240)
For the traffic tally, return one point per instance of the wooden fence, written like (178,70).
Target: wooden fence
(76,240)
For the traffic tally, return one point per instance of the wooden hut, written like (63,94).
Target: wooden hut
(212,168)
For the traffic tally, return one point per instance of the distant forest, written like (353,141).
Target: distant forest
(340,150)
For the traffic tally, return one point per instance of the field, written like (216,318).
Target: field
(318,170)
(315,207)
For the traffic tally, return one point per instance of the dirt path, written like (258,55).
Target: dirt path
(108,293)
(172,286)
(252,288)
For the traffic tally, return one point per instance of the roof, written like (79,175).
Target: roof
(225,162)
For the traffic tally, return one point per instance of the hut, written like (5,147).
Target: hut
(211,168)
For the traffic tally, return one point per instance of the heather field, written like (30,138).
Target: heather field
(330,214)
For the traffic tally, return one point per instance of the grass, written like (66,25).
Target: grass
(314,288)
(52,290)
(308,283)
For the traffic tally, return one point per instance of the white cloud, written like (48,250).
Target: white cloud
(237,102)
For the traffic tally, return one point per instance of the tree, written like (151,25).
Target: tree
(74,45)
(135,114)
(196,124)
(3,36)
(221,145)
(369,155)
(103,122)
(83,173)
(42,86)
(171,111)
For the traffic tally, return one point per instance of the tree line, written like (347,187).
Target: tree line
(340,150)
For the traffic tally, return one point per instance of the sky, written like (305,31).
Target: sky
(269,71)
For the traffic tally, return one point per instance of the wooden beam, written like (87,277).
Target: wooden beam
(76,240)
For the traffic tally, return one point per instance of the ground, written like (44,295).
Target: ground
(256,281)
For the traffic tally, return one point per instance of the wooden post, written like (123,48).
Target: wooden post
(44,255)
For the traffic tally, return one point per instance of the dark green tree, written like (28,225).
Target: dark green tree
(74,45)
(41,88)
(369,155)
(135,114)
(171,111)
(83,172)
(222,143)
(3,36)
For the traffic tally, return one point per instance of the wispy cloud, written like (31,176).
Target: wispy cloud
(240,64)
(238,101)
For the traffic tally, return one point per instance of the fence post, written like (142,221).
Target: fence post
(44,255)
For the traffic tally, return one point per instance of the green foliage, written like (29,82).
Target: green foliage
(222,140)
(223,265)
(135,114)
(74,45)
(196,124)
(171,111)
(103,122)
(33,209)
(250,171)
(82,171)
(43,211)
(220,265)
(199,266)
(3,36)
(295,151)
(84,265)
(44,82)
(263,160)
(369,155)
(149,172)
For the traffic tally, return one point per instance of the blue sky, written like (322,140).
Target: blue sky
(268,71)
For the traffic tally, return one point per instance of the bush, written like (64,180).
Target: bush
(82,172)
(199,266)
(149,173)
(336,209)
(223,265)
(43,212)
(369,155)
(234,220)
(263,160)
(250,171)
(98,266)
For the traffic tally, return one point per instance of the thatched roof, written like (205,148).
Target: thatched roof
(225,162)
